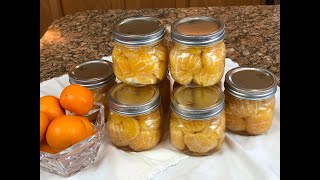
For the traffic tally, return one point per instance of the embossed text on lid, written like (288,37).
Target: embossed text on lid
(250,83)
(92,73)
(130,100)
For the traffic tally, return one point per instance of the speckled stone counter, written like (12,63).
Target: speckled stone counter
(253,36)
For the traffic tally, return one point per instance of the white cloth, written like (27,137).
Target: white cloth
(241,157)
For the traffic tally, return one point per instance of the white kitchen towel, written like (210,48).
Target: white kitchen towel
(241,157)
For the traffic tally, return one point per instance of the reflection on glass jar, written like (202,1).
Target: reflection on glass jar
(140,54)
(197,121)
(97,76)
(135,118)
(198,54)
(250,101)
(176,85)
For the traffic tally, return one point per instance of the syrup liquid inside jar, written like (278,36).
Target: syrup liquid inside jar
(250,102)
(97,76)
(140,54)
(135,120)
(197,121)
(198,54)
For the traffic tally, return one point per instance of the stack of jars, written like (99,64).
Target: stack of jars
(193,107)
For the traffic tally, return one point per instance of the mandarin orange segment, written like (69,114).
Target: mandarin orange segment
(121,67)
(260,123)
(160,69)
(209,77)
(182,77)
(150,121)
(145,140)
(122,129)
(220,142)
(176,134)
(204,64)
(241,107)
(140,65)
(200,143)
(194,125)
(235,123)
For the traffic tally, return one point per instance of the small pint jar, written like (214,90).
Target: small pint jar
(135,117)
(250,102)
(140,54)
(97,76)
(198,54)
(197,122)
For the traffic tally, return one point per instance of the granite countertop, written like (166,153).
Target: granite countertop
(253,36)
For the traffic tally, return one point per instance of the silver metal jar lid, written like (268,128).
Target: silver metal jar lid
(250,83)
(197,103)
(197,31)
(141,30)
(130,100)
(92,74)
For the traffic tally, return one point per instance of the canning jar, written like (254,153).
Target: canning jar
(198,54)
(97,76)
(250,102)
(197,122)
(140,54)
(135,117)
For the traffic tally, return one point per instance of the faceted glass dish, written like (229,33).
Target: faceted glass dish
(78,156)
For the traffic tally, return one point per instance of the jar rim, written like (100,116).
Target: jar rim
(92,74)
(133,109)
(202,39)
(207,112)
(139,31)
(251,83)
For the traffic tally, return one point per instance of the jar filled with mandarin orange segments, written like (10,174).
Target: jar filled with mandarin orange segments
(135,120)
(197,121)
(250,101)
(140,54)
(97,76)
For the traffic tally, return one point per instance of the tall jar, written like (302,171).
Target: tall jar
(250,102)
(198,54)
(140,54)
(197,122)
(97,76)
(135,117)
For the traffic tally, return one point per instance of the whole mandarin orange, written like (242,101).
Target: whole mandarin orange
(77,99)
(44,122)
(90,128)
(66,131)
(44,146)
(51,106)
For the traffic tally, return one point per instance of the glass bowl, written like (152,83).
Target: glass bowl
(78,156)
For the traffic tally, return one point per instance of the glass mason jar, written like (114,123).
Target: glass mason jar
(135,117)
(250,102)
(198,54)
(140,54)
(197,122)
(97,76)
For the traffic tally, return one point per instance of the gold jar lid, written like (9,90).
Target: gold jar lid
(92,74)
(197,102)
(250,83)
(198,30)
(131,100)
